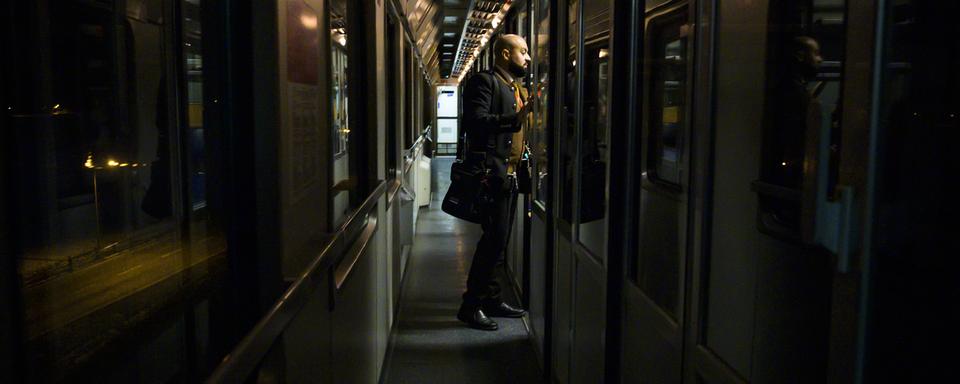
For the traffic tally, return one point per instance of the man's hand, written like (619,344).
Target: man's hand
(527,107)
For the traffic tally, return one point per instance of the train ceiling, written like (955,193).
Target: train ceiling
(482,17)
(449,34)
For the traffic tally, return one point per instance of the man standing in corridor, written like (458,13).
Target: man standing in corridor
(494,108)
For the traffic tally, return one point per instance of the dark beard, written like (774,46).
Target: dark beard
(518,71)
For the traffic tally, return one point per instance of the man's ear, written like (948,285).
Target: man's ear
(505,53)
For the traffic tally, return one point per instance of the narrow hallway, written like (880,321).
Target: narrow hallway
(430,344)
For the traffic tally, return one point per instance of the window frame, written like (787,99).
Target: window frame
(651,176)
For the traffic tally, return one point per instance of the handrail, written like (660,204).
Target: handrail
(419,141)
(236,366)
(345,267)
(413,148)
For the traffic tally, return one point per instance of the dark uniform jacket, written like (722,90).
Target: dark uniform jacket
(490,119)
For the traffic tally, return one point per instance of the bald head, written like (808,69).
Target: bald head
(511,53)
(806,55)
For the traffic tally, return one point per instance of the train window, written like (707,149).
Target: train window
(593,148)
(661,212)
(667,98)
(391,33)
(343,184)
(109,168)
(202,214)
(408,93)
(805,57)
(541,73)
(568,131)
(914,204)
(339,76)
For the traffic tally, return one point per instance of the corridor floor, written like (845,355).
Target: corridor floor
(430,344)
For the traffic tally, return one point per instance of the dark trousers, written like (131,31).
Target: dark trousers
(481,285)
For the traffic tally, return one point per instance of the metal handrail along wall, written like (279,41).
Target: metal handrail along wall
(341,253)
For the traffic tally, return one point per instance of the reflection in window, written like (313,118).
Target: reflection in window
(659,260)
(193,69)
(409,86)
(391,30)
(205,215)
(667,105)
(338,60)
(339,72)
(804,86)
(538,135)
(107,187)
(110,169)
(567,134)
(593,150)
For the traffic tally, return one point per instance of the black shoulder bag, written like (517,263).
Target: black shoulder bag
(469,194)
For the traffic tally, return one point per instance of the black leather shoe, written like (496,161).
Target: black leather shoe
(477,319)
(503,310)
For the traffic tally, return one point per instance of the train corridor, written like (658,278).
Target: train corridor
(430,345)
(709,192)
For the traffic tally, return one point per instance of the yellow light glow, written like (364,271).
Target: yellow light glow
(308,21)
(124,164)
(671,115)
(56,106)
(112,163)
(89,162)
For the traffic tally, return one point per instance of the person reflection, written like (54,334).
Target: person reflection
(796,109)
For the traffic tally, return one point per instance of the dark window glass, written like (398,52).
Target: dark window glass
(204,214)
(541,72)
(662,216)
(668,102)
(593,148)
(119,250)
(805,57)
(391,32)
(915,206)
(567,136)
(408,92)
